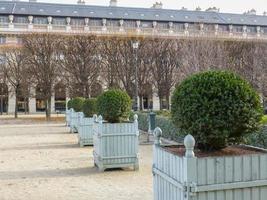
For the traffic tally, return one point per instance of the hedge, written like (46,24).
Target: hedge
(258,139)
(169,131)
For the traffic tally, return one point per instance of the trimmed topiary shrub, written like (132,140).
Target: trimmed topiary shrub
(69,104)
(89,107)
(77,104)
(218,108)
(114,106)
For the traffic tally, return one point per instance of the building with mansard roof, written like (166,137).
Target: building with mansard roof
(17,17)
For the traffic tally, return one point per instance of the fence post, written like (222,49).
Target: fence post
(190,168)
(136,165)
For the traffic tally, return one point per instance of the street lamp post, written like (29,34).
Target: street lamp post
(135,47)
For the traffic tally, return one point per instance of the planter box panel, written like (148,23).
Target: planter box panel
(86,131)
(115,145)
(221,178)
(75,120)
(67,117)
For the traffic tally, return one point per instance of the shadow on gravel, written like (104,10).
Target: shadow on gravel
(39,133)
(42,147)
(49,173)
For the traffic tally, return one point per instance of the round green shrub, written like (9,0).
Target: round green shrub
(77,104)
(89,107)
(114,106)
(69,104)
(218,108)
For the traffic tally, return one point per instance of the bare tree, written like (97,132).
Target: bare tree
(41,50)
(16,72)
(165,62)
(80,59)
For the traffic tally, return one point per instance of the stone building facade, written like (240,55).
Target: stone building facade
(18,18)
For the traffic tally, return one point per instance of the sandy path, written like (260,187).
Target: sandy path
(44,162)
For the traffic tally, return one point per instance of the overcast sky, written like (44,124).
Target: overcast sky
(232,6)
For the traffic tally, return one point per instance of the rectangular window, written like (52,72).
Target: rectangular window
(129,24)
(21,20)
(40,20)
(163,25)
(59,21)
(194,27)
(77,22)
(146,24)
(178,26)
(3,19)
(2,39)
(237,29)
(113,23)
(264,30)
(223,28)
(95,22)
(209,27)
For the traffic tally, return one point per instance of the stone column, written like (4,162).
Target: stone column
(156,103)
(32,101)
(11,100)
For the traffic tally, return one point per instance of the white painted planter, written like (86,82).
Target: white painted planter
(74,121)
(116,145)
(221,178)
(67,117)
(86,131)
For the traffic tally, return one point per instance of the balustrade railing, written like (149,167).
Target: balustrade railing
(170,32)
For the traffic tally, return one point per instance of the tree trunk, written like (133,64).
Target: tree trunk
(16,103)
(141,104)
(168,101)
(160,103)
(48,109)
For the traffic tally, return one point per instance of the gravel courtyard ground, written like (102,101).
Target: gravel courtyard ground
(44,162)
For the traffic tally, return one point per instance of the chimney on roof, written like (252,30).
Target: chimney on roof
(251,12)
(81,2)
(198,8)
(213,9)
(113,3)
(157,5)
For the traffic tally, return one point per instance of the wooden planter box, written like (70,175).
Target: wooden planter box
(86,131)
(210,178)
(74,121)
(116,145)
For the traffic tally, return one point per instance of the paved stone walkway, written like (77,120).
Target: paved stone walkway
(44,162)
